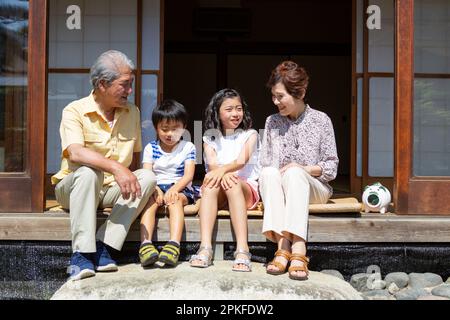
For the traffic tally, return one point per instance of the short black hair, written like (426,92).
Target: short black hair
(169,110)
(212,118)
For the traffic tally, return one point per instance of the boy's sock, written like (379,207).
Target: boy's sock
(146,241)
(173,242)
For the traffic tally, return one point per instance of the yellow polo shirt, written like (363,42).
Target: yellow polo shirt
(83,123)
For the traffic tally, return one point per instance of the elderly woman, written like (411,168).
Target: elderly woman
(298,158)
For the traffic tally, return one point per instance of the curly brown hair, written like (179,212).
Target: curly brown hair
(294,78)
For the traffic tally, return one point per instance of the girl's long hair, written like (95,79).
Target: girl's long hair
(212,117)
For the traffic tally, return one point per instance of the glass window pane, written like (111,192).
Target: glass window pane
(381,127)
(105,24)
(432,36)
(359,35)
(359,120)
(150,34)
(431,127)
(381,42)
(62,90)
(13,84)
(149,99)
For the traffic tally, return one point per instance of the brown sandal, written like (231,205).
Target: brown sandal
(304,267)
(281,268)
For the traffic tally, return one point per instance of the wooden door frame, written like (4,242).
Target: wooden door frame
(24,191)
(412,194)
(37,103)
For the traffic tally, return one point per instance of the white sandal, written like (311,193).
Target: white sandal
(206,260)
(245,262)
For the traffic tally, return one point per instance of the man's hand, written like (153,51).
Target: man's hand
(128,183)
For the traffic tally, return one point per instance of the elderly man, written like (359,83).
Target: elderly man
(99,134)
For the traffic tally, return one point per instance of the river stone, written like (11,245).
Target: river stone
(359,281)
(411,294)
(217,282)
(401,279)
(333,273)
(392,288)
(442,291)
(431,297)
(376,284)
(377,295)
(424,280)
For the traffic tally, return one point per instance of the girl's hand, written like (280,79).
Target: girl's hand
(158,195)
(290,165)
(212,179)
(171,196)
(229,180)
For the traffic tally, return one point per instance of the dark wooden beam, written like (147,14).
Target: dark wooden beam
(261,48)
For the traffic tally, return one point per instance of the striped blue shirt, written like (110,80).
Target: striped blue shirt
(169,166)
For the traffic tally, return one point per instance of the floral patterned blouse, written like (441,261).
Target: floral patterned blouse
(308,140)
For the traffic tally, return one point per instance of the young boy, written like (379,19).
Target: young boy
(173,162)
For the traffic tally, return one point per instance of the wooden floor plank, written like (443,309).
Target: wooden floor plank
(361,228)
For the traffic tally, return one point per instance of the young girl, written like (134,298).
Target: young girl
(232,171)
(173,162)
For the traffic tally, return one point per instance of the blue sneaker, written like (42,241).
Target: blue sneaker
(81,266)
(103,261)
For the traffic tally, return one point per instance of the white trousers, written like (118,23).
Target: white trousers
(82,192)
(286,198)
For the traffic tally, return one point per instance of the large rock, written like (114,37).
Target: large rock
(424,280)
(217,282)
(332,272)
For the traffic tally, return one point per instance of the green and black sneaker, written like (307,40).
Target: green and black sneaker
(170,253)
(148,254)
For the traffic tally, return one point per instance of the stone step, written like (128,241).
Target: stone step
(218,282)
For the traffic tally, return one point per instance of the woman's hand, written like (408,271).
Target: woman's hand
(314,171)
(213,178)
(158,195)
(290,165)
(309,169)
(171,196)
(229,180)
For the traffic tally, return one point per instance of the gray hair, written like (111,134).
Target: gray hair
(106,67)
